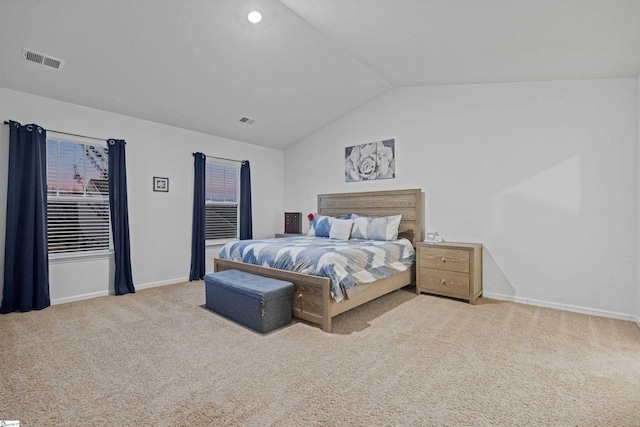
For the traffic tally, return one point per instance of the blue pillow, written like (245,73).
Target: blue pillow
(320,226)
(345,216)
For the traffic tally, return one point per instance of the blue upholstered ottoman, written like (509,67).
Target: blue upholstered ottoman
(260,303)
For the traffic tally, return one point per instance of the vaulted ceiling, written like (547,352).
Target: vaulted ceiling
(201,65)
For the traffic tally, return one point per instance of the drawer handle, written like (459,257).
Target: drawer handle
(443,259)
(444,282)
(299,296)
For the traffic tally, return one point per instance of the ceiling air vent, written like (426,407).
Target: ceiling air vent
(248,120)
(42,59)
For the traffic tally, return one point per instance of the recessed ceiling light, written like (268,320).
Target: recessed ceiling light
(254,16)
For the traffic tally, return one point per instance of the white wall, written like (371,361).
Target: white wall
(638,259)
(544,174)
(160,223)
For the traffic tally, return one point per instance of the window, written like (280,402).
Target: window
(221,200)
(77,197)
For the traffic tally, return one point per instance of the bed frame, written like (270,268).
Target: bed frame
(312,294)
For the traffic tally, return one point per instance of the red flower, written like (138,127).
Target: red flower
(310,216)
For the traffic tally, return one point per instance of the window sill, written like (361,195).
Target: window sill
(81,256)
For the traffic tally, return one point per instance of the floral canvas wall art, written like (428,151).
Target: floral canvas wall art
(375,160)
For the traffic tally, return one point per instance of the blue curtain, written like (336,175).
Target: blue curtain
(26,258)
(197,225)
(118,206)
(246,219)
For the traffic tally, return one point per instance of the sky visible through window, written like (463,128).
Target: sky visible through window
(73,169)
(221,182)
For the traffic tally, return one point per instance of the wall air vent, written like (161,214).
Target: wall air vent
(248,120)
(42,59)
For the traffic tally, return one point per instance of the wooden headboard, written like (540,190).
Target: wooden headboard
(379,203)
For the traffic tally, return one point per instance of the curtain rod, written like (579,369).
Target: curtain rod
(70,134)
(223,158)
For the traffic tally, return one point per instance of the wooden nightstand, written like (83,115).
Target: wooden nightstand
(450,269)
(279,235)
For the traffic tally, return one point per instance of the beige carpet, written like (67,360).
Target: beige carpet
(158,358)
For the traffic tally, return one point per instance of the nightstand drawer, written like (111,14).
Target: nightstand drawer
(446,282)
(444,259)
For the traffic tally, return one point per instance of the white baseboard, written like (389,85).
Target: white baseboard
(565,307)
(73,298)
(162,283)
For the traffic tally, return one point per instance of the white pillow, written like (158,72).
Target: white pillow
(340,229)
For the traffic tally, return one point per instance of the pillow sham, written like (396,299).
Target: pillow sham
(320,226)
(340,229)
(375,228)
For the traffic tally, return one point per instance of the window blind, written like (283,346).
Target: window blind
(221,200)
(77,197)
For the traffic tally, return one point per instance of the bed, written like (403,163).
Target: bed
(312,300)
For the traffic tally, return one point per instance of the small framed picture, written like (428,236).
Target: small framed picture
(160,184)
